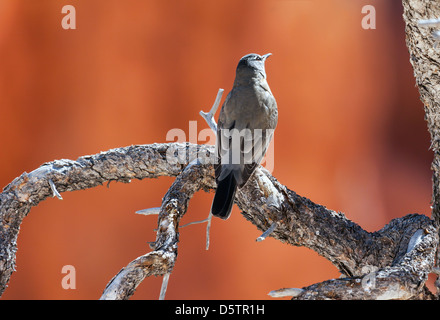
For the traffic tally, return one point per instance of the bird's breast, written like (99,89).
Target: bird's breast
(248,107)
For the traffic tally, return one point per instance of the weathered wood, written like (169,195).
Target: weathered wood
(263,201)
(422,42)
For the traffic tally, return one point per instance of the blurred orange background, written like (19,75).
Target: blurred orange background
(351,134)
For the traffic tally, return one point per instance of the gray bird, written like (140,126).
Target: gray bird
(245,127)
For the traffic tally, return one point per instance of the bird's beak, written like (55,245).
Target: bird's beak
(266,56)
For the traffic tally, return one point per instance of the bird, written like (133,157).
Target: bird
(246,124)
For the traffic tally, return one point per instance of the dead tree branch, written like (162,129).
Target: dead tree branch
(123,164)
(161,260)
(263,201)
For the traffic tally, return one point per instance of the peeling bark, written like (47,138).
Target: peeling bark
(263,201)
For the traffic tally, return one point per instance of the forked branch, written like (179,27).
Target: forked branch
(263,201)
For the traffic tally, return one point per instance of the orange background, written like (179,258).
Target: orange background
(351,134)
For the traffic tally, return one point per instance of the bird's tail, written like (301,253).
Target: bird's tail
(224,197)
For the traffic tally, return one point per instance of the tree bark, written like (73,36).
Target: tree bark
(425,59)
(396,259)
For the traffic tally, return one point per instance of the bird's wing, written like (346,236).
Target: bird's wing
(262,132)
(242,136)
(259,145)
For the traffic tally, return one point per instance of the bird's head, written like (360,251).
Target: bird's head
(253,61)
(252,64)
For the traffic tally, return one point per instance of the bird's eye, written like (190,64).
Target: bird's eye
(258,58)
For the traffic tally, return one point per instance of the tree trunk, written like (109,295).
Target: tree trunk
(424,53)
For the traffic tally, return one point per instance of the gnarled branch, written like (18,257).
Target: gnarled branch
(263,201)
